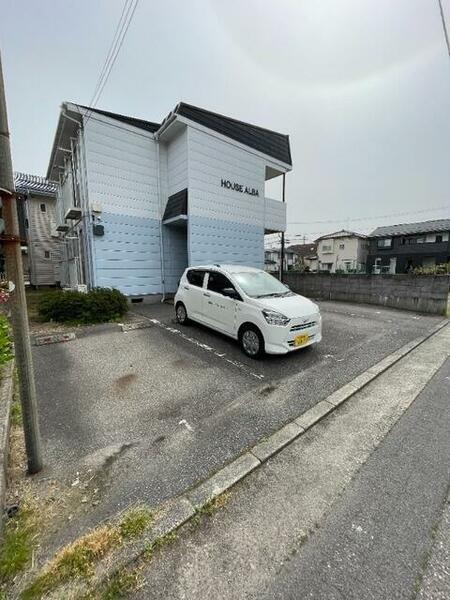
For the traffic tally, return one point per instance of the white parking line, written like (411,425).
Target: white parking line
(203,346)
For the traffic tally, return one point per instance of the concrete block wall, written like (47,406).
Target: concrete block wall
(421,293)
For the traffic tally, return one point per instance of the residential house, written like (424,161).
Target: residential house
(41,246)
(401,248)
(342,251)
(306,256)
(139,201)
(272,260)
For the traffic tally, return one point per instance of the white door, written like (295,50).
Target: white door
(193,292)
(219,310)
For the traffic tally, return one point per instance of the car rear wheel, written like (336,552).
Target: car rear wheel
(181,313)
(252,341)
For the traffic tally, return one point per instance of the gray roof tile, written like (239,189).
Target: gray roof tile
(412,228)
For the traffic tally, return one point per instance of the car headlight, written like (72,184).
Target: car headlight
(275,318)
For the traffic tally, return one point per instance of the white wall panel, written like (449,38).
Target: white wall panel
(275,215)
(122,177)
(210,161)
(121,170)
(177,164)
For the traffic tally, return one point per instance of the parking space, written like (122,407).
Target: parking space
(156,409)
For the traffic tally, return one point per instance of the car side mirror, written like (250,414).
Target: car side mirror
(231,293)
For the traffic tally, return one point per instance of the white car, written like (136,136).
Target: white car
(249,305)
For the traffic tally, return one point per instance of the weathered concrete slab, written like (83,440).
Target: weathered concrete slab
(223,480)
(138,325)
(53,338)
(314,414)
(278,440)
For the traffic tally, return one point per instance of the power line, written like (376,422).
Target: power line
(444,26)
(123,25)
(357,219)
(110,51)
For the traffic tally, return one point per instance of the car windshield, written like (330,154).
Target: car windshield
(259,284)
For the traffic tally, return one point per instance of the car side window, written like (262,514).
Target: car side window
(217,282)
(195,277)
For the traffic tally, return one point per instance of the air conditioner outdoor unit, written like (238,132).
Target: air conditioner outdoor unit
(62,228)
(73,213)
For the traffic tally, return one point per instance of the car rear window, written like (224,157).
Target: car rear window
(195,277)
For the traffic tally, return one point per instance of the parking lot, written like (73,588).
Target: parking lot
(155,410)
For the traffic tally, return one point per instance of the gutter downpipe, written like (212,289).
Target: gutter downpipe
(161,242)
(282,233)
(170,119)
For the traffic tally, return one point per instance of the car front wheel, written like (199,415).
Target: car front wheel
(181,313)
(252,341)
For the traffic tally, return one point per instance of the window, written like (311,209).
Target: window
(27,225)
(439,238)
(46,254)
(217,282)
(326,248)
(341,246)
(43,208)
(195,277)
(384,243)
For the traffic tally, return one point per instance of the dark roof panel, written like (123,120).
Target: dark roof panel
(412,228)
(147,125)
(266,141)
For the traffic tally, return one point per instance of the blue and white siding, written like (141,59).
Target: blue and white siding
(122,180)
(225,225)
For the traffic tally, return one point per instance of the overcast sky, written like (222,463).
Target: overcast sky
(361,86)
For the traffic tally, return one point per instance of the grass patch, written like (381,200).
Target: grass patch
(119,585)
(18,543)
(16,413)
(210,508)
(76,560)
(79,558)
(134,522)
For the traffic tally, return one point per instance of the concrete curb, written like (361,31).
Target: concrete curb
(177,511)
(132,326)
(53,338)
(6,393)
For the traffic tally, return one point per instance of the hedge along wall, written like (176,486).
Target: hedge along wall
(421,293)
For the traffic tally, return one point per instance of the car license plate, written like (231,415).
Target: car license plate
(299,340)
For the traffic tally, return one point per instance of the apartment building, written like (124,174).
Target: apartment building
(139,201)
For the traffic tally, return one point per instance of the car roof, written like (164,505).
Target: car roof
(227,268)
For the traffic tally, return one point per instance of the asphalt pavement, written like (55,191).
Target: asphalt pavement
(352,509)
(155,410)
(380,535)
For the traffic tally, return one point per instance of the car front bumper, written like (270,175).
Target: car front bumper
(281,340)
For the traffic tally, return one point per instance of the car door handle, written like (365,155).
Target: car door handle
(207,295)
(186,287)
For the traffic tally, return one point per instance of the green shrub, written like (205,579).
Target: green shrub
(439,269)
(97,306)
(5,341)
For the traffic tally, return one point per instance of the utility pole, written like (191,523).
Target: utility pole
(17,300)
(282,233)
